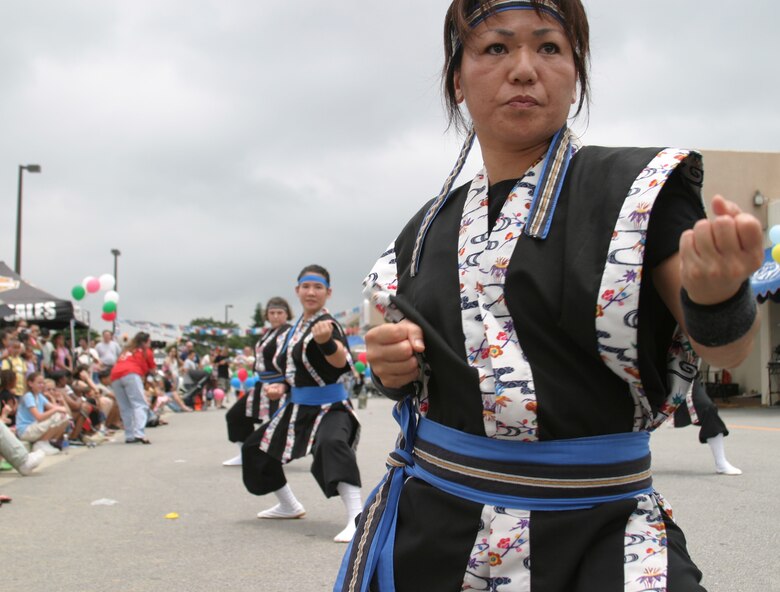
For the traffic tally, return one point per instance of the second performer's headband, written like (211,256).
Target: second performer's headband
(314,278)
(487,9)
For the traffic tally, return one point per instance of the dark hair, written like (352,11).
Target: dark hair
(59,374)
(278,302)
(318,269)
(575,27)
(7,380)
(138,340)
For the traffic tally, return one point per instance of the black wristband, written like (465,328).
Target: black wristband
(715,325)
(328,348)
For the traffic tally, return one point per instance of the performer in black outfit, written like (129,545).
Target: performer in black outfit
(528,369)
(699,410)
(317,418)
(256,407)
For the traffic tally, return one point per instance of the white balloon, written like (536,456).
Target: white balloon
(111,296)
(86,280)
(107,282)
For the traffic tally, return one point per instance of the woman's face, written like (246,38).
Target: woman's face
(277,317)
(518,80)
(312,295)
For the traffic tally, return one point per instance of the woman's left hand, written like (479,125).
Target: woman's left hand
(720,253)
(322,331)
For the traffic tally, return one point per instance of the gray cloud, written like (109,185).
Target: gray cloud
(223,145)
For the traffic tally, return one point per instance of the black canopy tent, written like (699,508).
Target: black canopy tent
(20,300)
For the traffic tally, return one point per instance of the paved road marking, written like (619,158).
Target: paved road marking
(758,428)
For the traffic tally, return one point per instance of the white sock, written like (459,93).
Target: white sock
(287,499)
(350,495)
(719,453)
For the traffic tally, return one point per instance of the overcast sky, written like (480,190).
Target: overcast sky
(222,145)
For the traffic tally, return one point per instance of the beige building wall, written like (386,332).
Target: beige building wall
(752,180)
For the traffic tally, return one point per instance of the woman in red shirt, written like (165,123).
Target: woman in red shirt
(127,380)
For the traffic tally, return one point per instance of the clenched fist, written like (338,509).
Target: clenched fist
(391,349)
(322,331)
(275,391)
(717,255)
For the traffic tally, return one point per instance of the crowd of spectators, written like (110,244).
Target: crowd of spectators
(53,394)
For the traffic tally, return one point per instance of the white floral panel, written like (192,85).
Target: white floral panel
(645,561)
(617,306)
(500,560)
(492,346)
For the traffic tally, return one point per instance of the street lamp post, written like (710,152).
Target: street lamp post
(227,306)
(30,168)
(116,254)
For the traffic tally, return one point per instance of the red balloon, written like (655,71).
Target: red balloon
(108,316)
(362,357)
(242,374)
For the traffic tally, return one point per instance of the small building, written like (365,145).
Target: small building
(752,180)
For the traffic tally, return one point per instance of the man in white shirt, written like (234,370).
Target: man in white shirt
(108,351)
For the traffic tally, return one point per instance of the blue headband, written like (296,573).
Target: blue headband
(497,6)
(314,278)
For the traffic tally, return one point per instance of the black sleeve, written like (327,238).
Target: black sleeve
(676,209)
(327,372)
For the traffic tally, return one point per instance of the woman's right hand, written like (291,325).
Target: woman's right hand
(274,392)
(391,349)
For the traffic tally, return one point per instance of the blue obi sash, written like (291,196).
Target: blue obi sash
(319,395)
(551,475)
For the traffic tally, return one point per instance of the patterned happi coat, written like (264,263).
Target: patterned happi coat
(530,339)
(258,406)
(292,432)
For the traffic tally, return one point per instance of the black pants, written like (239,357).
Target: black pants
(709,420)
(334,460)
(239,426)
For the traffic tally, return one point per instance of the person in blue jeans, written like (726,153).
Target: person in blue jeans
(127,380)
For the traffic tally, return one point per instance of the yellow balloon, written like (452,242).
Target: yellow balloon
(172,516)
(776,253)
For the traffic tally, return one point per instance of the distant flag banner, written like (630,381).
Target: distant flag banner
(167,332)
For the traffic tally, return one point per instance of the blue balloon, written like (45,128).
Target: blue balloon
(774,234)
(250,382)
(235,383)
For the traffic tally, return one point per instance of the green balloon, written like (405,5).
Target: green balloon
(78,292)
(360,367)
(208,369)
(109,306)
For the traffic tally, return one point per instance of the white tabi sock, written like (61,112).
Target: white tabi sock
(287,499)
(722,466)
(350,495)
(353,502)
(287,508)
(236,460)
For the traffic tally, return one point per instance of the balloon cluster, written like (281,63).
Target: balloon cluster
(242,377)
(362,363)
(104,283)
(774,236)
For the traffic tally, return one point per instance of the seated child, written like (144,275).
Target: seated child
(37,419)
